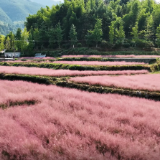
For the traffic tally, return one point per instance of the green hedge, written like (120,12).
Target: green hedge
(90,51)
(63,82)
(76,67)
(29,78)
(83,59)
(17,103)
(101,89)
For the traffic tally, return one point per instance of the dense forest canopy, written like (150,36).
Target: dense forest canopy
(109,23)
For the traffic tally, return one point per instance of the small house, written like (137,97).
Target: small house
(39,55)
(12,54)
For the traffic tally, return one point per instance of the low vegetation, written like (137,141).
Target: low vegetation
(79,67)
(137,82)
(96,126)
(61,73)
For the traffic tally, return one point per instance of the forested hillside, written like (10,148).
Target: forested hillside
(122,22)
(110,24)
(14,12)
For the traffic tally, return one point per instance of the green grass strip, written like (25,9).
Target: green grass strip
(18,103)
(77,67)
(102,89)
(63,82)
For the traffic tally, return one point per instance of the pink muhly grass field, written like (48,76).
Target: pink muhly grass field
(51,72)
(149,82)
(98,63)
(69,124)
(111,56)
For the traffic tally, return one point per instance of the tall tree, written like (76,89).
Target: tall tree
(73,35)
(149,28)
(12,40)
(111,33)
(36,37)
(18,34)
(52,37)
(18,39)
(24,40)
(97,32)
(59,35)
(8,43)
(158,36)
(121,34)
(2,39)
(135,33)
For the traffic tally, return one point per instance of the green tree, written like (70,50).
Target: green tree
(73,35)
(158,36)
(97,32)
(24,40)
(18,39)
(36,37)
(8,43)
(121,34)
(149,28)
(135,33)
(59,35)
(12,40)
(31,43)
(52,37)
(2,39)
(111,33)
(18,34)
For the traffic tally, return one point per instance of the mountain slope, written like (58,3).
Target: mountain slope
(4,17)
(14,12)
(18,10)
(47,2)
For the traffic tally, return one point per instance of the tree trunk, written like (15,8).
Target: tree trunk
(73,45)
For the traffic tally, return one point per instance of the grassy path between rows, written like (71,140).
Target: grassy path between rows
(80,67)
(64,82)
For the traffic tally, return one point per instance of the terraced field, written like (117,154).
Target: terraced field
(49,110)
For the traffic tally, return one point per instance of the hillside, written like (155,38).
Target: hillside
(47,2)
(4,17)
(13,11)
(18,10)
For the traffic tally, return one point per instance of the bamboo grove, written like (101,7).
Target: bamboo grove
(93,23)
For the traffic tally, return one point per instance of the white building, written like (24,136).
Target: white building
(39,55)
(12,54)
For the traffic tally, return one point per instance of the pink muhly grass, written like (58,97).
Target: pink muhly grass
(149,82)
(111,56)
(72,124)
(51,72)
(99,63)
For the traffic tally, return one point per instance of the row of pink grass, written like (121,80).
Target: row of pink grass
(149,82)
(51,72)
(98,63)
(111,56)
(71,124)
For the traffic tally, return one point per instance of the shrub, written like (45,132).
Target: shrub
(117,45)
(104,44)
(79,44)
(126,45)
(144,44)
(23,59)
(66,46)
